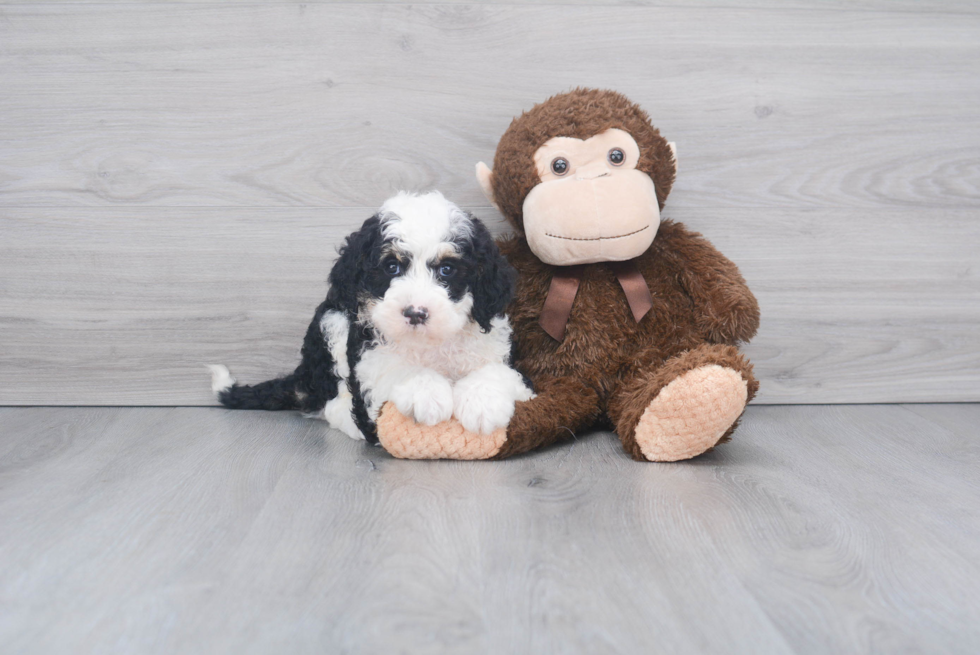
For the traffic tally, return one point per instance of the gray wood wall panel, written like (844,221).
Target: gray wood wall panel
(340,105)
(935,6)
(126,305)
(174,179)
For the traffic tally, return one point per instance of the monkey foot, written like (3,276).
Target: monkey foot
(402,437)
(691,414)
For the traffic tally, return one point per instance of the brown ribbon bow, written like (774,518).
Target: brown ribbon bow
(564,286)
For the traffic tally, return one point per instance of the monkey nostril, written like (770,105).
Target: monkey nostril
(416,315)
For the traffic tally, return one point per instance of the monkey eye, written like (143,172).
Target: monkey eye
(392,267)
(559,166)
(616,157)
(446,271)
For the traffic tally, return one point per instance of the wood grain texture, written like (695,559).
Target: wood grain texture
(340,105)
(819,529)
(175,178)
(117,306)
(943,6)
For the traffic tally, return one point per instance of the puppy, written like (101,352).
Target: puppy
(414,315)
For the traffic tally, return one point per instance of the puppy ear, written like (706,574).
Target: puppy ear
(357,255)
(493,280)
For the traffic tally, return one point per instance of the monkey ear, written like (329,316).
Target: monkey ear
(485,177)
(673,151)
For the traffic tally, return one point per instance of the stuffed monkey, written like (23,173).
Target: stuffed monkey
(621,320)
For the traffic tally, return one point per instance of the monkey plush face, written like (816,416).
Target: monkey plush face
(592,204)
(583,176)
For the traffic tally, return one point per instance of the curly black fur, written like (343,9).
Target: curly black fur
(314,382)
(490,278)
(356,271)
(358,339)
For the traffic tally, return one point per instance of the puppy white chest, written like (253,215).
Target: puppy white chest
(386,365)
(457,357)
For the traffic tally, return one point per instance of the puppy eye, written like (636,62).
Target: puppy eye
(447,271)
(392,267)
(617,157)
(559,166)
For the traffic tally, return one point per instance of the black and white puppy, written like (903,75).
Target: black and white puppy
(414,315)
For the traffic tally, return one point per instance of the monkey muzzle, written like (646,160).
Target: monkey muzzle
(587,220)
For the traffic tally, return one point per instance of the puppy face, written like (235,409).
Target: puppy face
(423,270)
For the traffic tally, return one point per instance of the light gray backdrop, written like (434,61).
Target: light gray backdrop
(175,177)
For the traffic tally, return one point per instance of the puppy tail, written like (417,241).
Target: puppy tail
(271,395)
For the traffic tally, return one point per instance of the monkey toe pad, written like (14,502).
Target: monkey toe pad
(691,414)
(402,437)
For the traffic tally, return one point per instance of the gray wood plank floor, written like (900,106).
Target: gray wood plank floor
(161,530)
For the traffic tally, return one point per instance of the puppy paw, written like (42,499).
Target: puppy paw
(484,400)
(428,397)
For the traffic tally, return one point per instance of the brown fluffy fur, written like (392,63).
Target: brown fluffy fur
(609,368)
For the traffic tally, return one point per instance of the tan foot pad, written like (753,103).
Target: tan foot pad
(691,413)
(406,439)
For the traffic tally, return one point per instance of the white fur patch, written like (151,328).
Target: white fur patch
(426,395)
(221,379)
(337,413)
(389,364)
(335,328)
(421,223)
(484,400)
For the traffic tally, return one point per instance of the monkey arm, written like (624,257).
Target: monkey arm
(726,311)
(561,408)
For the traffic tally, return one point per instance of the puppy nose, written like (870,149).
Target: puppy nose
(416,315)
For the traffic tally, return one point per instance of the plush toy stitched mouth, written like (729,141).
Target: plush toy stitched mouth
(628,234)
